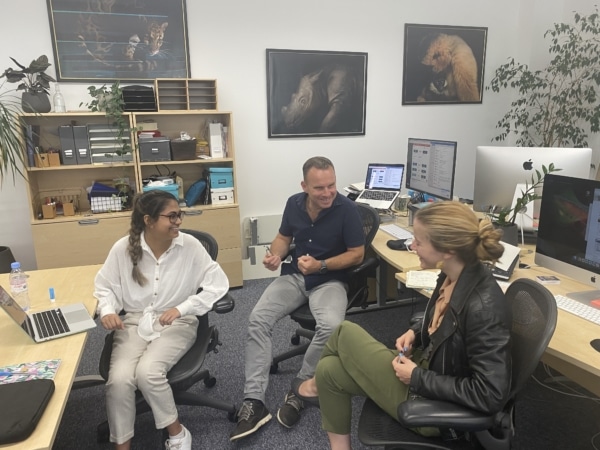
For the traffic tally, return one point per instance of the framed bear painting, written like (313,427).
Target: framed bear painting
(123,40)
(443,64)
(316,93)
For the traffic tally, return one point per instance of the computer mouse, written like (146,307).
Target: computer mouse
(595,343)
(396,244)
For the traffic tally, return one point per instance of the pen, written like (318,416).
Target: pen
(268,250)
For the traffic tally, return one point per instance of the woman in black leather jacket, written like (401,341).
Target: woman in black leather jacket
(459,351)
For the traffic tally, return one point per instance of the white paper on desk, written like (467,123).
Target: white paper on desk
(422,279)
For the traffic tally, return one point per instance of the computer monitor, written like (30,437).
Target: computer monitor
(430,167)
(498,171)
(568,240)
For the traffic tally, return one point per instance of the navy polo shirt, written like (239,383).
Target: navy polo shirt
(336,229)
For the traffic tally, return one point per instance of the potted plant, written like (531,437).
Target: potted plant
(35,83)
(110,101)
(506,218)
(558,105)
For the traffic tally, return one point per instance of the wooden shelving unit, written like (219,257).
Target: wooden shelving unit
(181,94)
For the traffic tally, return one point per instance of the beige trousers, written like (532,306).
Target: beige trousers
(138,364)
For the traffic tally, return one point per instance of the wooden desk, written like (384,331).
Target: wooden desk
(569,350)
(71,285)
(398,260)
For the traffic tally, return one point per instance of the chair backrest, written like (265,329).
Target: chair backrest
(209,242)
(533,321)
(370,222)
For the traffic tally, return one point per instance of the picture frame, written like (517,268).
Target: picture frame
(313,93)
(124,40)
(443,64)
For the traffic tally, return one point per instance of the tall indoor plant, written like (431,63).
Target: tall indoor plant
(558,105)
(12,157)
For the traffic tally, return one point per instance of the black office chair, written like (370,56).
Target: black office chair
(358,290)
(533,322)
(188,370)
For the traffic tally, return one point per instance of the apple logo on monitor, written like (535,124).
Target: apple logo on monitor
(528,165)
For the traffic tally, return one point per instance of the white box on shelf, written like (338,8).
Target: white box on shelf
(221,196)
(106,204)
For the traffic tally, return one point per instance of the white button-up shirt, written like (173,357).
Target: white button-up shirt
(172,279)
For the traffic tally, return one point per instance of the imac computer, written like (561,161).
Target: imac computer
(568,240)
(498,171)
(430,167)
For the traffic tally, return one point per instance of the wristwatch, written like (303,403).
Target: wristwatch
(323,268)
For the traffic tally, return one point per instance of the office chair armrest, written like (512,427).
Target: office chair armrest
(367,264)
(224,305)
(436,413)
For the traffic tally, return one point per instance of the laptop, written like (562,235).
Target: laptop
(50,324)
(382,185)
(505,266)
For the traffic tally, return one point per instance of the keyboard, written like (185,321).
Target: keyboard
(397,231)
(50,323)
(579,309)
(379,195)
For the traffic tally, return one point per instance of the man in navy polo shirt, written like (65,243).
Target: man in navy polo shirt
(326,230)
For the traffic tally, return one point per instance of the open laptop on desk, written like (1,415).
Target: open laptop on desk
(49,324)
(382,185)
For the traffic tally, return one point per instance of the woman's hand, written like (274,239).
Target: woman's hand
(403,367)
(169,316)
(112,322)
(405,342)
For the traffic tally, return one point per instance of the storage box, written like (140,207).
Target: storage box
(68,209)
(183,149)
(49,211)
(221,177)
(47,159)
(171,188)
(106,204)
(155,149)
(222,196)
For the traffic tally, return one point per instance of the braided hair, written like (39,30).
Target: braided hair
(150,203)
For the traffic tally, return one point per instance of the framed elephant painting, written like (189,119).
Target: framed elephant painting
(316,93)
(443,64)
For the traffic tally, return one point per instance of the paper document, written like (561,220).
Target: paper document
(422,279)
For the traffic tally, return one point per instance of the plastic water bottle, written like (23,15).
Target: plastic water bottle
(59,100)
(18,285)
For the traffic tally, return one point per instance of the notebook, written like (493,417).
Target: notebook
(52,323)
(382,185)
(504,267)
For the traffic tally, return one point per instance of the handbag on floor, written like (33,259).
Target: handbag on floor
(23,405)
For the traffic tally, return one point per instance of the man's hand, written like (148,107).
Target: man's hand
(169,316)
(307,264)
(112,322)
(271,261)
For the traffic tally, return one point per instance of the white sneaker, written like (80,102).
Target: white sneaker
(184,443)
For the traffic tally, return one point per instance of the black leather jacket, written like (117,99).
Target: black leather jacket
(469,363)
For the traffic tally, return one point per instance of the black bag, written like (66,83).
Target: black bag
(23,406)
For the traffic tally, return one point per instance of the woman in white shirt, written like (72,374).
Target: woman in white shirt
(153,275)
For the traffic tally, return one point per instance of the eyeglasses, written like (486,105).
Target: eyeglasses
(173,217)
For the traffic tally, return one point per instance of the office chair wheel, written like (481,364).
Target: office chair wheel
(295,340)
(210,382)
(274,368)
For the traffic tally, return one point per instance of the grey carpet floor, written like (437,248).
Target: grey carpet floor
(550,415)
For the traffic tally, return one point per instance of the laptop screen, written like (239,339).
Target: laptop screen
(15,312)
(384,177)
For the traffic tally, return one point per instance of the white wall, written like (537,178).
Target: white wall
(228,40)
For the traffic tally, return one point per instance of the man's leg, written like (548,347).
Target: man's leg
(328,306)
(279,299)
